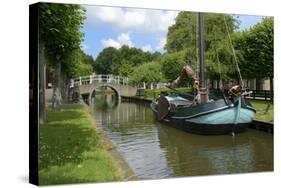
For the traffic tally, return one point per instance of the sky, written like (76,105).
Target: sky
(140,28)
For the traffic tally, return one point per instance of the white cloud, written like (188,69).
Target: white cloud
(84,46)
(103,14)
(138,20)
(147,48)
(110,43)
(161,44)
(122,39)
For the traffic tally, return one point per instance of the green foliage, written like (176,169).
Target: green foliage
(60,37)
(59,28)
(125,69)
(155,56)
(87,59)
(120,61)
(87,62)
(183,36)
(105,60)
(264,112)
(81,69)
(173,63)
(70,150)
(255,49)
(78,64)
(148,73)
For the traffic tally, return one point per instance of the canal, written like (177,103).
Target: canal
(155,150)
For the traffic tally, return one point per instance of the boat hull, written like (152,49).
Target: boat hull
(209,129)
(219,118)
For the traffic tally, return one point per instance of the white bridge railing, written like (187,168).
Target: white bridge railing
(100,78)
(109,78)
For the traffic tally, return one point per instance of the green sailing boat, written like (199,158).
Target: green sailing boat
(197,113)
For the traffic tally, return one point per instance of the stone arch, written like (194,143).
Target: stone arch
(104,85)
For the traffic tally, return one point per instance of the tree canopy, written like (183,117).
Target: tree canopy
(148,72)
(105,60)
(173,63)
(121,61)
(59,28)
(183,36)
(255,49)
(60,38)
(78,64)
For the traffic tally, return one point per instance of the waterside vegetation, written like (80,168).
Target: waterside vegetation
(71,150)
(265,110)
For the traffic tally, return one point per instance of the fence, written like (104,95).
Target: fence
(256,94)
(260,94)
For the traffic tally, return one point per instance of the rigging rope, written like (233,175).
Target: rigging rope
(234,54)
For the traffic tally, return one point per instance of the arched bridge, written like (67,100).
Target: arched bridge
(85,86)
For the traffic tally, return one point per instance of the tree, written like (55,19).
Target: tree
(105,60)
(148,73)
(59,28)
(120,61)
(131,57)
(87,59)
(172,64)
(155,56)
(41,64)
(125,69)
(182,36)
(255,48)
(79,64)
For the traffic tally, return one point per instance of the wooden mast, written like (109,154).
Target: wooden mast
(202,73)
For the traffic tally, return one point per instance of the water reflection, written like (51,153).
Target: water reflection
(104,101)
(190,154)
(154,150)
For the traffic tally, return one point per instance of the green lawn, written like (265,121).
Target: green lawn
(71,151)
(264,109)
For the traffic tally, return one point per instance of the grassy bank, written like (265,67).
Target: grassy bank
(71,151)
(265,110)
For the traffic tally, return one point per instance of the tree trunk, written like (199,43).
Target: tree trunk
(62,82)
(42,83)
(63,87)
(223,86)
(271,88)
(218,84)
(57,88)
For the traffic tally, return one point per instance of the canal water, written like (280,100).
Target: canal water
(155,150)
